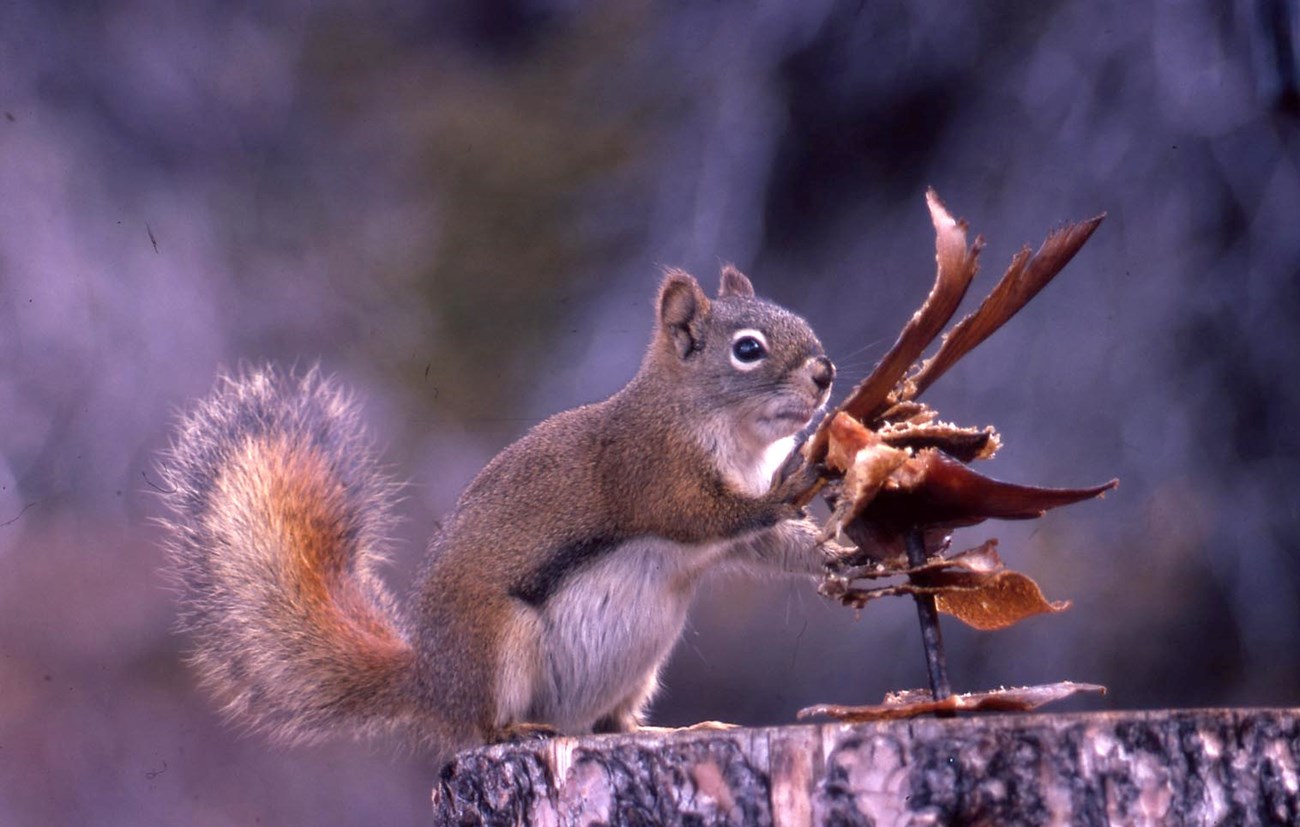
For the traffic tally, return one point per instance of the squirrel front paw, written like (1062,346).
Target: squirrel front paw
(837,555)
(881,552)
(795,484)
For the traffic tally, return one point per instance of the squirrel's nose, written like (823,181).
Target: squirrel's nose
(823,372)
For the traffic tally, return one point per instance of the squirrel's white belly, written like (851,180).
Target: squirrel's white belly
(601,638)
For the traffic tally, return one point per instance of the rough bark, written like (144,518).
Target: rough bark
(1195,767)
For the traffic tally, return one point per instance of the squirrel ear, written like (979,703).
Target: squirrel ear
(682,310)
(735,283)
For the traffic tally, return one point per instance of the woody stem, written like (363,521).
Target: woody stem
(931,636)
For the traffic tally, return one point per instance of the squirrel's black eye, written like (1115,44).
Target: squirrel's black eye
(748,349)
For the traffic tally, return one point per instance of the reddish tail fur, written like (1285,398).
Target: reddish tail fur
(280,516)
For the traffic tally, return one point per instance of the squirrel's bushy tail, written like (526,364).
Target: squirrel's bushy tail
(279,517)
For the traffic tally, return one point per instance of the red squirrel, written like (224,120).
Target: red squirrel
(556,588)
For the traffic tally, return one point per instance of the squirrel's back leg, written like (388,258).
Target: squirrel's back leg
(629,716)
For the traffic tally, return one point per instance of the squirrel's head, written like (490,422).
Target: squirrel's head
(739,360)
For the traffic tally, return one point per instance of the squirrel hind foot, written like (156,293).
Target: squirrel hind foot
(522,733)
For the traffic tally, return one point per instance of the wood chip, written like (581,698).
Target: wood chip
(914,702)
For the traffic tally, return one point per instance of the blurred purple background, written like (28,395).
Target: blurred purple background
(463,213)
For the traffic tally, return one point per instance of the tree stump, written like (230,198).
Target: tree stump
(1194,767)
